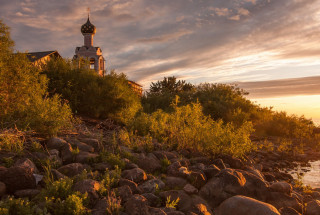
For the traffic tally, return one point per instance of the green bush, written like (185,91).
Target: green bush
(12,206)
(188,127)
(23,94)
(90,94)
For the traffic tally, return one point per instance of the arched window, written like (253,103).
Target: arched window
(92,61)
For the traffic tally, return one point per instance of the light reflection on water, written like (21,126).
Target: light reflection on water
(312,177)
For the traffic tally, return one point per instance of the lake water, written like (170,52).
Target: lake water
(311,177)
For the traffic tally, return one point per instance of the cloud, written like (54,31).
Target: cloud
(282,87)
(208,41)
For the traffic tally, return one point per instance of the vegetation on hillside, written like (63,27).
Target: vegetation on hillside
(90,94)
(24,100)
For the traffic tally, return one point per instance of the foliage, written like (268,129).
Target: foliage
(172,204)
(23,94)
(114,204)
(229,104)
(188,127)
(73,205)
(19,206)
(12,140)
(109,180)
(90,94)
(164,164)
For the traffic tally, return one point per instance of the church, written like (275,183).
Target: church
(87,51)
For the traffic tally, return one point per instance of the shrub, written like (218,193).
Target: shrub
(12,140)
(188,127)
(23,94)
(90,94)
(19,206)
(73,205)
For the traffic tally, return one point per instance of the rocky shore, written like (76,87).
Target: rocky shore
(159,182)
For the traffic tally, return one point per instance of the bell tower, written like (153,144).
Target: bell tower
(88,51)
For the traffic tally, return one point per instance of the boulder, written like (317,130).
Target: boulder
(313,207)
(211,171)
(152,185)
(137,205)
(165,155)
(88,186)
(288,211)
(18,178)
(219,163)
(72,169)
(150,163)
(280,200)
(241,205)
(66,154)
(133,186)
(56,143)
(26,163)
(153,200)
(137,175)
(3,189)
(124,192)
(177,170)
(282,187)
(175,182)
(226,184)
(197,179)
(91,142)
(85,157)
(82,146)
(102,166)
(156,211)
(57,175)
(28,193)
(188,188)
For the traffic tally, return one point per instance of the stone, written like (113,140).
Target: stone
(269,177)
(288,211)
(3,188)
(26,163)
(149,163)
(18,178)
(233,162)
(153,200)
(91,142)
(124,192)
(313,207)
(280,200)
(133,186)
(66,154)
(188,188)
(152,185)
(57,175)
(85,157)
(282,187)
(241,205)
(82,146)
(175,182)
(197,179)
(102,166)
(219,163)
(165,155)
(72,169)
(156,211)
(137,205)
(226,184)
(137,175)
(211,171)
(56,143)
(28,193)
(88,186)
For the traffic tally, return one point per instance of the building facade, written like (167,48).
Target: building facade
(88,51)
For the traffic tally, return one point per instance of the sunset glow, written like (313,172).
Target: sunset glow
(198,41)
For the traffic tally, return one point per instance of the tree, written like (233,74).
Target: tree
(170,85)
(24,101)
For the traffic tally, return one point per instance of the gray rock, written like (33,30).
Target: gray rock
(152,185)
(241,205)
(137,175)
(72,169)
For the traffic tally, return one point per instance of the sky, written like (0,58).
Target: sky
(271,48)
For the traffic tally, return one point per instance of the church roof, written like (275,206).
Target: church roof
(34,56)
(88,28)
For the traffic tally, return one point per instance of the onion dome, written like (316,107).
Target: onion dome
(88,28)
